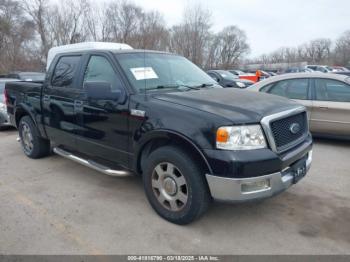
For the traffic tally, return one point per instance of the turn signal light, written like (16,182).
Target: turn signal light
(222,135)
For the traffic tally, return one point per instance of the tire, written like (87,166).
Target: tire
(32,144)
(175,185)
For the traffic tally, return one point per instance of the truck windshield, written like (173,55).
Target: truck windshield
(148,71)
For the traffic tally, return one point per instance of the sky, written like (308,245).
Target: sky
(269,24)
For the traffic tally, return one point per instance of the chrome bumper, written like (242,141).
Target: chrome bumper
(231,189)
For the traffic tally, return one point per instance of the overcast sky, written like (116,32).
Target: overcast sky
(269,24)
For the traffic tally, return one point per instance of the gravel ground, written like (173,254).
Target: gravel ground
(55,206)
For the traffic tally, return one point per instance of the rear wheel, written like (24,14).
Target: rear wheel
(32,144)
(175,185)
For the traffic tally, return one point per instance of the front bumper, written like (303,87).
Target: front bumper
(233,189)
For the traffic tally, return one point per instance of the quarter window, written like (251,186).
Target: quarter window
(65,70)
(266,88)
(100,70)
(332,90)
(291,88)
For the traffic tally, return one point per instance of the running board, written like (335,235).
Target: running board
(91,164)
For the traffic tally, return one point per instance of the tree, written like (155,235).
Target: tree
(342,49)
(191,37)
(124,21)
(15,32)
(38,11)
(228,47)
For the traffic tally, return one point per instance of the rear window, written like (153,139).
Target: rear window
(32,77)
(65,70)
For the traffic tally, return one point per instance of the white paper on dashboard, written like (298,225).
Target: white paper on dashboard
(142,73)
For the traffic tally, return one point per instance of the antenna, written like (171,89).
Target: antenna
(144,71)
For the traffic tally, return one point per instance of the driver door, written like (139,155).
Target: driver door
(104,123)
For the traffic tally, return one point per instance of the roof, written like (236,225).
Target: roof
(83,47)
(299,75)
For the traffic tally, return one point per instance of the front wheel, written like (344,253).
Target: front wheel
(175,185)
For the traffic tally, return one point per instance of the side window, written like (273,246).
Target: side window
(100,70)
(64,72)
(266,88)
(292,88)
(279,88)
(332,90)
(214,77)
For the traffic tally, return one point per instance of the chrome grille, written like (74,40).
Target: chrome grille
(280,132)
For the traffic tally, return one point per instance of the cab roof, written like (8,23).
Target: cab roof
(84,47)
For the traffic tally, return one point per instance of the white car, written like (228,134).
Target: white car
(320,68)
(4,119)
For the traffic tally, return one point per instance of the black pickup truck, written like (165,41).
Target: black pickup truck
(157,115)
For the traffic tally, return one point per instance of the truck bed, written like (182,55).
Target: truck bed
(26,94)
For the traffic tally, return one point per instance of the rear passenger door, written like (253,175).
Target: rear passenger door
(331,107)
(58,101)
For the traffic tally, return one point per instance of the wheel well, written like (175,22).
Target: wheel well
(20,112)
(173,140)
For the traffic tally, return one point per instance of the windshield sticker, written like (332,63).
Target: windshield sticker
(142,73)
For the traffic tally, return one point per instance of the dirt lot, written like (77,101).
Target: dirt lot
(55,206)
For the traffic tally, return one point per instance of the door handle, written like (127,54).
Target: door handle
(323,107)
(78,102)
(78,105)
(46,98)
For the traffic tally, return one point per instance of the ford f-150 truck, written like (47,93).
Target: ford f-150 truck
(157,115)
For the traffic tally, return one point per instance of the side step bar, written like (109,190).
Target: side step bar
(91,164)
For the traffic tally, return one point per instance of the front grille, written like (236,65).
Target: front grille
(282,134)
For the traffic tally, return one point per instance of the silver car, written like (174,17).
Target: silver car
(326,97)
(4,119)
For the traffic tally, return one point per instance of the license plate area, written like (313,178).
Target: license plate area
(298,170)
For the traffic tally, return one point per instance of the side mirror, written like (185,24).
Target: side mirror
(102,91)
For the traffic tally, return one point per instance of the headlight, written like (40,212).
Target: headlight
(2,107)
(240,84)
(240,137)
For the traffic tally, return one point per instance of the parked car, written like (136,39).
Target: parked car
(346,73)
(27,76)
(298,70)
(272,73)
(340,69)
(156,114)
(320,68)
(326,96)
(4,118)
(244,75)
(227,79)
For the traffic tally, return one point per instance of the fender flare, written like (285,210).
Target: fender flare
(27,111)
(166,134)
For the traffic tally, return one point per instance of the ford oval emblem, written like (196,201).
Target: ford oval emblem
(294,128)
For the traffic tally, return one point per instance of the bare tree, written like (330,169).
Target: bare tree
(67,22)
(228,47)
(124,21)
(15,31)
(317,51)
(38,10)
(342,49)
(152,34)
(191,37)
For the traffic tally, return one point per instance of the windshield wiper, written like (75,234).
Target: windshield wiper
(197,87)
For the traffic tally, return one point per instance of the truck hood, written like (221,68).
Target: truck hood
(238,106)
